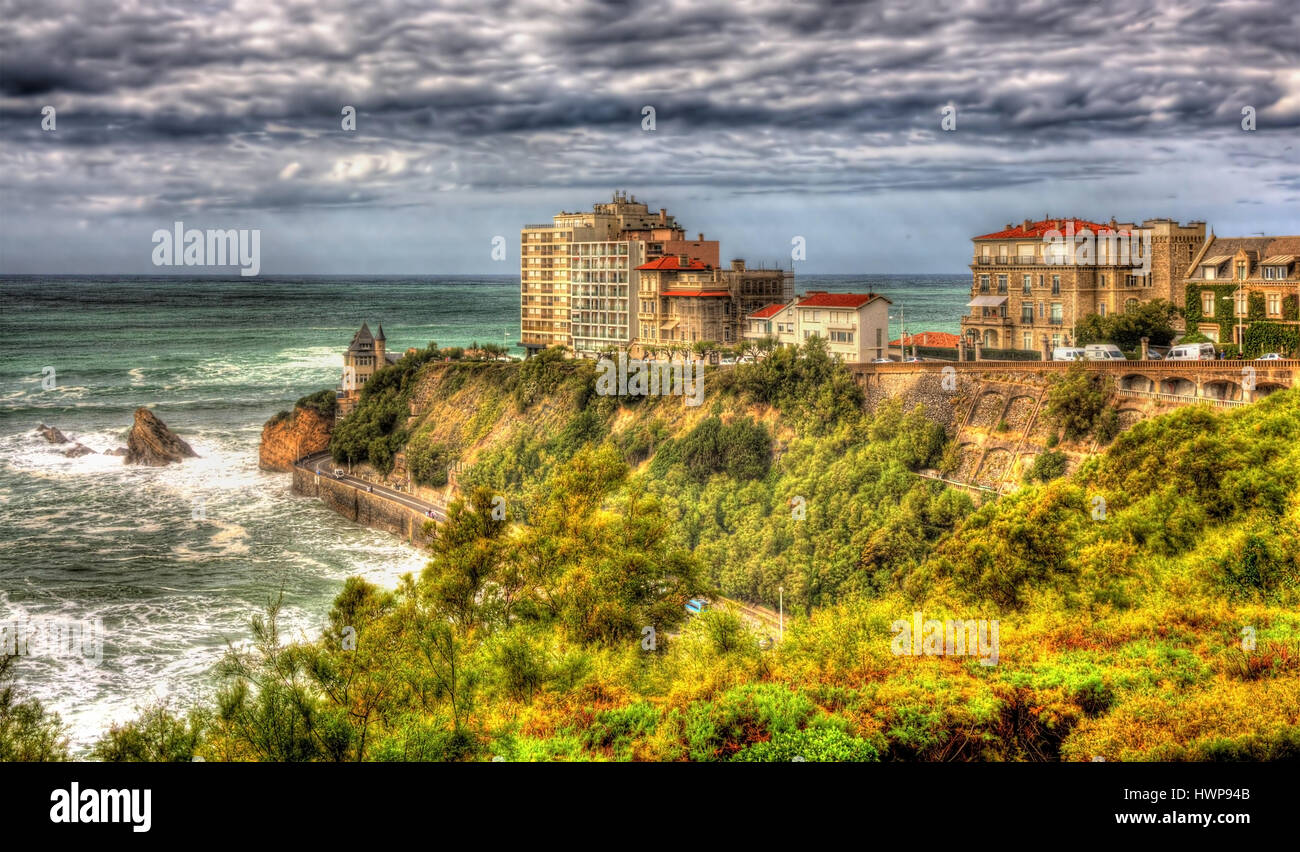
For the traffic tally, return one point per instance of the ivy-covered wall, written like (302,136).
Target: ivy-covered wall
(1262,335)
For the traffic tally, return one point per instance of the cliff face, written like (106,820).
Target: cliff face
(302,433)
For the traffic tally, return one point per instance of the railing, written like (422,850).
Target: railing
(1184,398)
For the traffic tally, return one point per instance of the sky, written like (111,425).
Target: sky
(772,120)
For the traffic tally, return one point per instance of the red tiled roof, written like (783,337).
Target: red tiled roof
(1038,229)
(765,313)
(838,300)
(695,293)
(670,262)
(929,338)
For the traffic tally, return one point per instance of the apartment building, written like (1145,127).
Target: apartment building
(855,326)
(603,282)
(774,321)
(583,249)
(1025,287)
(1228,274)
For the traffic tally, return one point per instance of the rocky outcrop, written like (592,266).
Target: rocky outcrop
(49,433)
(285,439)
(152,443)
(54,436)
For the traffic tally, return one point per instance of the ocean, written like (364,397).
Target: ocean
(174,561)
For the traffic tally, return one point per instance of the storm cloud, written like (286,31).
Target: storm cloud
(819,119)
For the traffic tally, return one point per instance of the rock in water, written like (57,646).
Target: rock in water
(49,433)
(120,451)
(79,450)
(152,443)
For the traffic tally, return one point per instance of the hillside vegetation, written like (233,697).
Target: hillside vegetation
(1145,605)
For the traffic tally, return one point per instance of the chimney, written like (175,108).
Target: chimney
(1026,224)
(700,237)
(663,215)
(737,264)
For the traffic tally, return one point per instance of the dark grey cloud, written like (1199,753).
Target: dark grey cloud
(233,108)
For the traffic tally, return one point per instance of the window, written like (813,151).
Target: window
(1241,270)
(1210,272)
(1002,283)
(1103,281)
(1101,308)
(1056,312)
(1130,304)
(1027,312)
(879,339)
(1040,310)
(1207,302)
(1275,273)
(1040,280)
(1274,304)
(1056,340)
(1026,284)
(1027,340)
(1240,300)
(984,283)
(1056,285)
(842,336)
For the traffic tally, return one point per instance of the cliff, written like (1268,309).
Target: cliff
(285,439)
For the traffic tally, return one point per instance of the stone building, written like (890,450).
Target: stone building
(683,300)
(1235,282)
(1028,290)
(364,355)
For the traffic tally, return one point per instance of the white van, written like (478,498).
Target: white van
(1067,353)
(1191,352)
(1103,352)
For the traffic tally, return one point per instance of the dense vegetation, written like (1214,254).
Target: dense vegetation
(1152,320)
(549,625)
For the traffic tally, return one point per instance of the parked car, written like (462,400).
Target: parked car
(1103,352)
(1272,356)
(338,473)
(882,360)
(1067,353)
(913,360)
(1192,352)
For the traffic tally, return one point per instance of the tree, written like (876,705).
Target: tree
(156,736)
(1075,402)
(269,708)
(428,460)
(28,732)
(1152,320)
